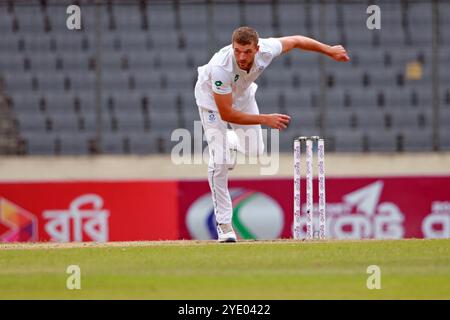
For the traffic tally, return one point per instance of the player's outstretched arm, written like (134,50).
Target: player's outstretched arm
(229,114)
(337,52)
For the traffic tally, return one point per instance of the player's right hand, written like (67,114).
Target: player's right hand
(278,121)
(339,53)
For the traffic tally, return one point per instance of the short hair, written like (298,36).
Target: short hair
(245,36)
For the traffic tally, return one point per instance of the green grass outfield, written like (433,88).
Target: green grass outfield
(410,269)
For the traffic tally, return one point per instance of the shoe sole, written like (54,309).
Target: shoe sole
(229,240)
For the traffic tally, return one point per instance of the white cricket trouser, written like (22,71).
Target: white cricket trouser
(247,139)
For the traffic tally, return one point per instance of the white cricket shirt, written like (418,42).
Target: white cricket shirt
(222,75)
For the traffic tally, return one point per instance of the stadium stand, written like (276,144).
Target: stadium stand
(134,76)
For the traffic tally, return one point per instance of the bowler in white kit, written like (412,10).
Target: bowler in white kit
(225,94)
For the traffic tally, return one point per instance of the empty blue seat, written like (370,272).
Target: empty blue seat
(382,140)
(31,122)
(66,122)
(348,141)
(74,143)
(418,140)
(444,139)
(113,143)
(143,143)
(39,143)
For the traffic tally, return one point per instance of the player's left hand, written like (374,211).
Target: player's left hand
(339,53)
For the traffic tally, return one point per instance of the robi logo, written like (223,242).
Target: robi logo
(16,224)
(255,216)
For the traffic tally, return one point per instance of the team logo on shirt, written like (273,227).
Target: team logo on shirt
(211,116)
(236,78)
(218,83)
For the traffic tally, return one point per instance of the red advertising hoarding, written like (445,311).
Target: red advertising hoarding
(88,211)
(381,208)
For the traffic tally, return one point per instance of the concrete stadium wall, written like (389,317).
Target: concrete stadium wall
(161,167)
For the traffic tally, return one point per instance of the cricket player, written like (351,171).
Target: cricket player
(225,94)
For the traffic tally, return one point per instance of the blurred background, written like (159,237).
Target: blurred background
(101,102)
(124,82)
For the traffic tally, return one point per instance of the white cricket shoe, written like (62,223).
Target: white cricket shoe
(225,233)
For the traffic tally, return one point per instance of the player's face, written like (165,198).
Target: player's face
(245,54)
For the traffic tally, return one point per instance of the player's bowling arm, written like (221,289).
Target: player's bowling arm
(337,53)
(229,114)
